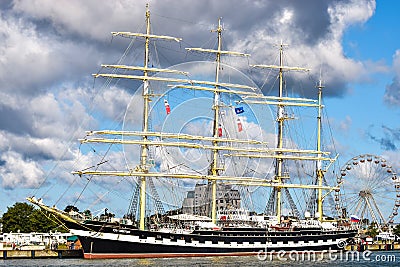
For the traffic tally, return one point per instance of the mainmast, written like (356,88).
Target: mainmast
(214,164)
(215,168)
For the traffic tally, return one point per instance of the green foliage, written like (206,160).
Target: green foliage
(70,208)
(396,230)
(18,218)
(25,218)
(372,230)
(87,214)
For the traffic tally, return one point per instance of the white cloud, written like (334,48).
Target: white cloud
(90,18)
(324,53)
(34,63)
(286,17)
(392,93)
(393,158)
(254,29)
(345,14)
(25,57)
(345,124)
(17,172)
(112,102)
(37,149)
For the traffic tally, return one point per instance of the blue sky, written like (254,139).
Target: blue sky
(373,42)
(49,49)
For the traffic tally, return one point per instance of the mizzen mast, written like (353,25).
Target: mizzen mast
(320,172)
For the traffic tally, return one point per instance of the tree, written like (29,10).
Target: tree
(17,218)
(372,230)
(70,208)
(88,214)
(41,222)
(25,218)
(396,230)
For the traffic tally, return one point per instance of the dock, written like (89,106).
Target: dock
(374,247)
(41,254)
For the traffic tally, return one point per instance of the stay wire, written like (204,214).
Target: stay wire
(90,178)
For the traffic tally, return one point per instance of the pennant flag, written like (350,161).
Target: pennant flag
(167,107)
(239,124)
(220,131)
(239,110)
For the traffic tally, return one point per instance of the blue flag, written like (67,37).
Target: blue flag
(239,110)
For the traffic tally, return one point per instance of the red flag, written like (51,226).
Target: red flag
(239,123)
(167,107)
(219,131)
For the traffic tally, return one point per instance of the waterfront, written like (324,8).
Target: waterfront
(387,258)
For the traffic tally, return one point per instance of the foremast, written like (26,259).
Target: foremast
(145,128)
(143,165)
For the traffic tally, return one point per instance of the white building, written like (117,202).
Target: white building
(23,239)
(198,202)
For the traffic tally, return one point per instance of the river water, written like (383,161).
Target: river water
(366,259)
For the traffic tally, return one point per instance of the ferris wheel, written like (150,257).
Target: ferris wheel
(369,190)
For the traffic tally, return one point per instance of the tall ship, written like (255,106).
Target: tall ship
(196,132)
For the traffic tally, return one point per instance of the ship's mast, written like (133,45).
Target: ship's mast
(143,167)
(281,117)
(320,172)
(214,164)
(281,120)
(145,128)
(214,168)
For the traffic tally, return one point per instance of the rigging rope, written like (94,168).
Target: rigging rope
(90,178)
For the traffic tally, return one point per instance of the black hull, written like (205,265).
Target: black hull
(100,248)
(118,241)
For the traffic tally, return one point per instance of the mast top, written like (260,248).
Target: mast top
(218,51)
(281,67)
(147,34)
(220,27)
(281,45)
(320,86)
